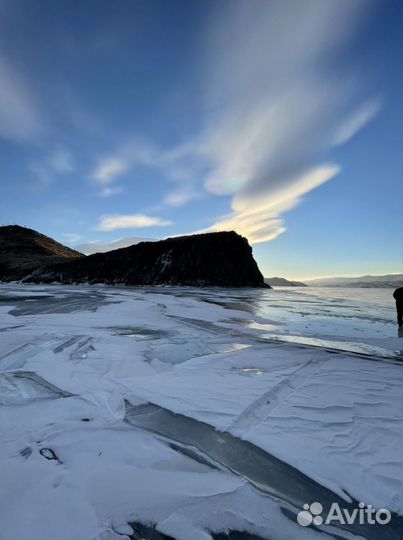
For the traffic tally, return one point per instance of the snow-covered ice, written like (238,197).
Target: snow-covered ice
(196,410)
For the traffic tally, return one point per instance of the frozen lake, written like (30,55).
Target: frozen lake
(197,411)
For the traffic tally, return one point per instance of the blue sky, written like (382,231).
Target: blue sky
(148,119)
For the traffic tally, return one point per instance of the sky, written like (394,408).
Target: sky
(279,119)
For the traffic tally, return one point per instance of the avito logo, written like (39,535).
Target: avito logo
(364,514)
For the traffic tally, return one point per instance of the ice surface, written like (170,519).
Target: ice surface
(310,378)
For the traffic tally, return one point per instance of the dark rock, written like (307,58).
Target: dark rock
(212,259)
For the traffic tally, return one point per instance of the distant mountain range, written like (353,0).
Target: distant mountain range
(282,282)
(382,281)
(212,259)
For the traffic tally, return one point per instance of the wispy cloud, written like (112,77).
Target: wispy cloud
(277,105)
(276,108)
(58,163)
(133,221)
(71,238)
(258,217)
(178,165)
(357,121)
(113,167)
(109,170)
(109,191)
(20,119)
(181,196)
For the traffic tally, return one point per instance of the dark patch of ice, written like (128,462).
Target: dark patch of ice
(270,475)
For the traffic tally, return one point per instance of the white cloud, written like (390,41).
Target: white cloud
(134,221)
(275,103)
(356,122)
(125,158)
(109,170)
(19,116)
(180,197)
(261,146)
(259,217)
(180,166)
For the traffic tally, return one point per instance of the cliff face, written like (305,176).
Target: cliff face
(222,259)
(23,250)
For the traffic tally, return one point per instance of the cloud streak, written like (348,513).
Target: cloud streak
(259,217)
(57,164)
(19,116)
(357,121)
(179,166)
(276,109)
(276,101)
(133,221)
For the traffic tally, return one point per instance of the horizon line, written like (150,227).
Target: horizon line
(342,276)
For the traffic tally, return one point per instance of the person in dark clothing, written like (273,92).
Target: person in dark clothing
(398,296)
